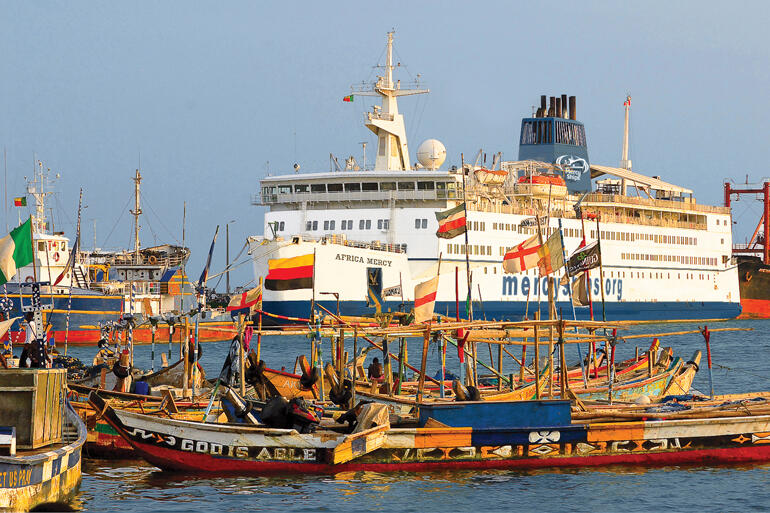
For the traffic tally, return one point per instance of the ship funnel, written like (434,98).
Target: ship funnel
(542,105)
(572,113)
(551,106)
(564,106)
(558,107)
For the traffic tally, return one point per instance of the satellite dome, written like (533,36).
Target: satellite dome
(431,154)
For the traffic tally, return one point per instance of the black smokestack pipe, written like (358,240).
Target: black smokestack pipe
(558,107)
(551,106)
(572,113)
(564,106)
(542,103)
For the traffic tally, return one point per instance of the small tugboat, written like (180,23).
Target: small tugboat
(41,436)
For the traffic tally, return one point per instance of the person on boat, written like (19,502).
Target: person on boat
(375,370)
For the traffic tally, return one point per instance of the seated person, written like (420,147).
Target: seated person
(375,370)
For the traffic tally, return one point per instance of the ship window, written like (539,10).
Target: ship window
(334,187)
(301,188)
(344,225)
(386,224)
(284,189)
(425,186)
(318,187)
(405,186)
(41,246)
(315,225)
(281,226)
(369,186)
(424,223)
(350,224)
(309,226)
(388,186)
(352,187)
(361,224)
(441,186)
(417,223)
(379,224)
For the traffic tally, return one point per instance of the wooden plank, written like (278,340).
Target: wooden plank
(359,444)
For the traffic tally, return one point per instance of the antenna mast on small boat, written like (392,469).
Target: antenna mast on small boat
(625,163)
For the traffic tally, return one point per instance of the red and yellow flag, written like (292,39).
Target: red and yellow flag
(290,273)
(348,98)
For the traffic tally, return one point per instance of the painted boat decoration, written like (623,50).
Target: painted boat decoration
(176,445)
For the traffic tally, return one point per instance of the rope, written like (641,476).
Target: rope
(735,369)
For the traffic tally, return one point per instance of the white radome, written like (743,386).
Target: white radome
(431,154)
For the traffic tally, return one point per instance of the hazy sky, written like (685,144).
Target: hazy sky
(212,95)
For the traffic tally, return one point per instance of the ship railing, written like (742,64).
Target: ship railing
(355,196)
(342,240)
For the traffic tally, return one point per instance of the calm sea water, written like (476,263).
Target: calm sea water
(740,364)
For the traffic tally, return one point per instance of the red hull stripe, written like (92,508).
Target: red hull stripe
(169,459)
(290,273)
(425,299)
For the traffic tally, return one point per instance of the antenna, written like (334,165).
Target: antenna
(136,213)
(363,144)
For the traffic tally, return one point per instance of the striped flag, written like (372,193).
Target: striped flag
(522,257)
(551,255)
(290,273)
(15,251)
(451,223)
(21,201)
(425,299)
(348,98)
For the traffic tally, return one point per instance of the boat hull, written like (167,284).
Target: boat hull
(754,284)
(196,447)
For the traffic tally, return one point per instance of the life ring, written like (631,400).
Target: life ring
(152,260)
(29,279)
(56,257)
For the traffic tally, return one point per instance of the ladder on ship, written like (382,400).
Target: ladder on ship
(79,278)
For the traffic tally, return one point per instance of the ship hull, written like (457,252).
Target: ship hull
(754,283)
(516,310)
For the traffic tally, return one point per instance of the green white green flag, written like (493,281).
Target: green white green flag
(15,251)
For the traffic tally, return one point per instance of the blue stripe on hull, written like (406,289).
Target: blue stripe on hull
(95,306)
(514,310)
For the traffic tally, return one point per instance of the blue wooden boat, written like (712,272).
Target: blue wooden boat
(497,415)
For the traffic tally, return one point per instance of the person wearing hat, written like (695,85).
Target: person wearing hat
(375,370)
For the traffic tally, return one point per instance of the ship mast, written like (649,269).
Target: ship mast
(36,189)
(625,163)
(136,213)
(385,120)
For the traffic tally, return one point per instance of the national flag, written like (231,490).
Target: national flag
(551,255)
(425,300)
(70,261)
(584,259)
(15,251)
(20,201)
(205,273)
(290,273)
(246,302)
(522,257)
(451,223)
(348,98)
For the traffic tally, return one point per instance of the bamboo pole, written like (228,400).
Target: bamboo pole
(241,354)
(424,360)
(537,357)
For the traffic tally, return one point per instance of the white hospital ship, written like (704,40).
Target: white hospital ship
(664,255)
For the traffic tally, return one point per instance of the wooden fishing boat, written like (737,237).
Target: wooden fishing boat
(102,441)
(172,376)
(176,445)
(41,439)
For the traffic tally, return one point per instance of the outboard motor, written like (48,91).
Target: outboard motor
(302,418)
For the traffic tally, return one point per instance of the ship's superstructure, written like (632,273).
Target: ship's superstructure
(664,255)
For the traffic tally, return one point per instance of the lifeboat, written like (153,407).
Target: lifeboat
(490,177)
(542,185)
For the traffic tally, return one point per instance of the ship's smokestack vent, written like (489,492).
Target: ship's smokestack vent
(563,106)
(551,106)
(558,107)
(572,113)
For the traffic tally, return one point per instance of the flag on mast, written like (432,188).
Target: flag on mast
(205,273)
(15,251)
(551,255)
(290,273)
(348,98)
(20,201)
(425,300)
(522,257)
(451,223)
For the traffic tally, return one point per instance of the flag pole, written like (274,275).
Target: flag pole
(588,271)
(72,275)
(312,298)
(468,304)
(574,314)
(601,268)
(32,240)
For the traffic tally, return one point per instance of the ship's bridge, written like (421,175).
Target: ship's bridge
(374,188)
